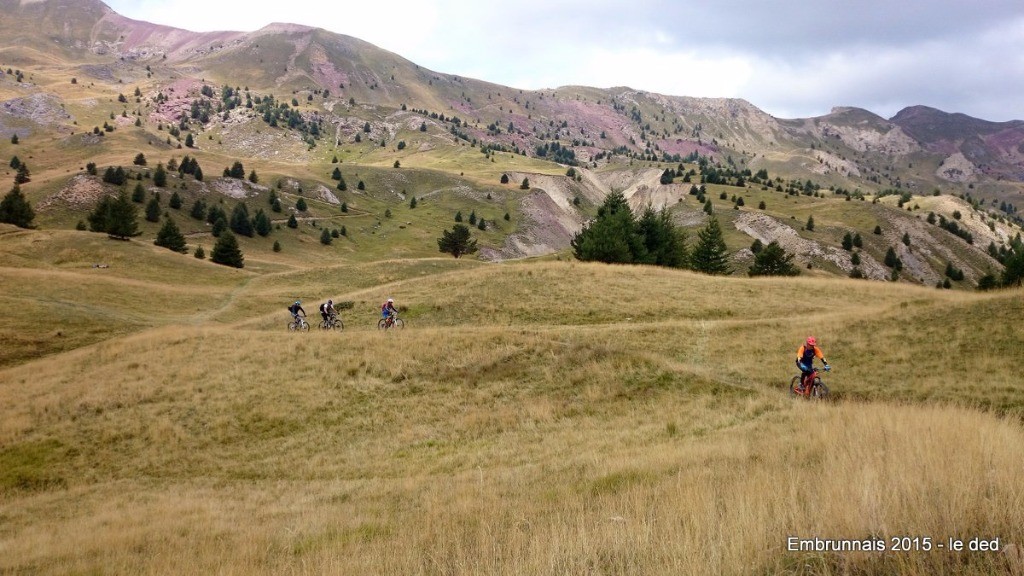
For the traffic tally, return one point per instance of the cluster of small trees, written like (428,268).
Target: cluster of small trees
(617,236)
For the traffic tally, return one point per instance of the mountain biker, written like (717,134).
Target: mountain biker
(327,310)
(805,356)
(295,309)
(387,311)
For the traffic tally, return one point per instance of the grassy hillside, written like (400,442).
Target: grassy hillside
(537,417)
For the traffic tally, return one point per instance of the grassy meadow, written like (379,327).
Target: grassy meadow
(536,417)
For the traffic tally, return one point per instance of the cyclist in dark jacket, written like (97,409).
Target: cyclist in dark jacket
(295,309)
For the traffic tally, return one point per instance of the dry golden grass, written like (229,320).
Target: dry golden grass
(535,418)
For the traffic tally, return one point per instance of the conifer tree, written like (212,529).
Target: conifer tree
(325,237)
(773,260)
(300,205)
(240,223)
(292,222)
(138,194)
(23,174)
(710,253)
(15,209)
(227,252)
(261,223)
(170,237)
(153,210)
(120,220)
(175,201)
(160,176)
(457,241)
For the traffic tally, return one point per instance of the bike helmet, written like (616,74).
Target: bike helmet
(391,301)
(811,341)
(297,303)
(331,302)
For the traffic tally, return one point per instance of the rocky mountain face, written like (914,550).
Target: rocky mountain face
(618,138)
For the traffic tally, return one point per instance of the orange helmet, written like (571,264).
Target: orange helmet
(811,341)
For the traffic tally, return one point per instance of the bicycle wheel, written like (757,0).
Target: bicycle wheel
(292,326)
(399,323)
(338,324)
(321,325)
(381,324)
(305,326)
(820,390)
(793,385)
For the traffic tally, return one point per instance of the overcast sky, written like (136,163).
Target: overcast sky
(791,58)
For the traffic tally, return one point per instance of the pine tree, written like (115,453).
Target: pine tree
(664,244)
(189,142)
(15,209)
(198,210)
(175,201)
(237,170)
(412,203)
(200,253)
(140,159)
(773,260)
(240,223)
(300,205)
(153,210)
(227,252)
(810,224)
(277,246)
(253,177)
(198,174)
(847,242)
(710,255)
(292,222)
(170,237)
(160,176)
(23,174)
(325,237)
(336,175)
(504,178)
(219,226)
(612,237)
(138,194)
(457,241)
(525,185)
(261,223)
(121,218)
(341,183)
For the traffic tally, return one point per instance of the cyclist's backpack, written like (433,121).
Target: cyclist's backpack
(323,307)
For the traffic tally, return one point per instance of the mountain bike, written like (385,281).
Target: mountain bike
(392,321)
(333,323)
(298,325)
(817,390)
